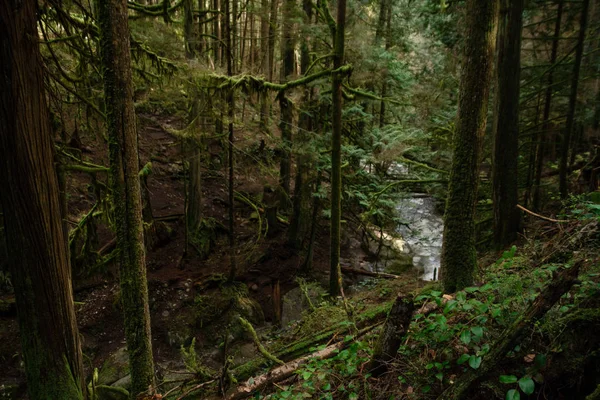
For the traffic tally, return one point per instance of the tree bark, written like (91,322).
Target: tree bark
(539,158)
(335,274)
(125,182)
(566,142)
(36,243)
(390,338)
(459,258)
(230,116)
(506,123)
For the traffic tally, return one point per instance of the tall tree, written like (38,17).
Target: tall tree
(37,248)
(459,258)
(506,123)
(566,142)
(540,147)
(125,182)
(230,116)
(335,274)
(285,105)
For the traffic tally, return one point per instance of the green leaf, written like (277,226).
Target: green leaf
(527,385)
(461,296)
(477,331)
(435,293)
(306,375)
(513,394)
(451,305)
(439,376)
(463,359)
(471,289)
(508,378)
(353,396)
(465,337)
(474,362)
(540,360)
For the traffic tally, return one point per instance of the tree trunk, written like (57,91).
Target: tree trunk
(125,182)
(230,116)
(335,274)
(566,142)
(506,123)
(539,158)
(390,338)
(301,199)
(188,29)
(36,244)
(287,55)
(459,257)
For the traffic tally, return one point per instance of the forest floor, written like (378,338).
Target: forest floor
(190,305)
(175,281)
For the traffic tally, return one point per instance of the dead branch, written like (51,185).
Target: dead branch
(520,207)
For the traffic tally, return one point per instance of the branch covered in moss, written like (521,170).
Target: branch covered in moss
(253,84)
(248,327)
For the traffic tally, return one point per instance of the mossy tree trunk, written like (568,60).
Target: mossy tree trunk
(36,244)
(390,338)
(188,29)
(285,105)
(566,141)
(125,182)
(540,149)
(335,273)
(506,123)
(301,199)
(231,159)
(459,257)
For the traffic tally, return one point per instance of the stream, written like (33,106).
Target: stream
(421,231)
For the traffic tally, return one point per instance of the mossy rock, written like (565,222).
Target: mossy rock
(114,367)
(320,319)
(400,265)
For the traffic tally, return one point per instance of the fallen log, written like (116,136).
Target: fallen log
(357,271)
(561,283)
(288,369)
(296,349)
(390,338)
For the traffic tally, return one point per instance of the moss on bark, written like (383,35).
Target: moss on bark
(124,165)
(459,257)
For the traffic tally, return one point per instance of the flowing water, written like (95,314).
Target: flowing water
(421,231)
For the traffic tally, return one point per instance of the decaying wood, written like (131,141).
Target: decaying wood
(561,283)
(390,338)
(356,271)
(288,369)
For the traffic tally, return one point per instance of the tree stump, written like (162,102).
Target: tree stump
(394,329)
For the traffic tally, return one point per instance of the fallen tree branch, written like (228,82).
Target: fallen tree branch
(520,207)
(288,369)
(357,271)
(561,283)
(296,349)
(250,329)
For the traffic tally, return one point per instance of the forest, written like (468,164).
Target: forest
(292,199)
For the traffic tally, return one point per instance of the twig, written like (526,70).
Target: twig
(520,207)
